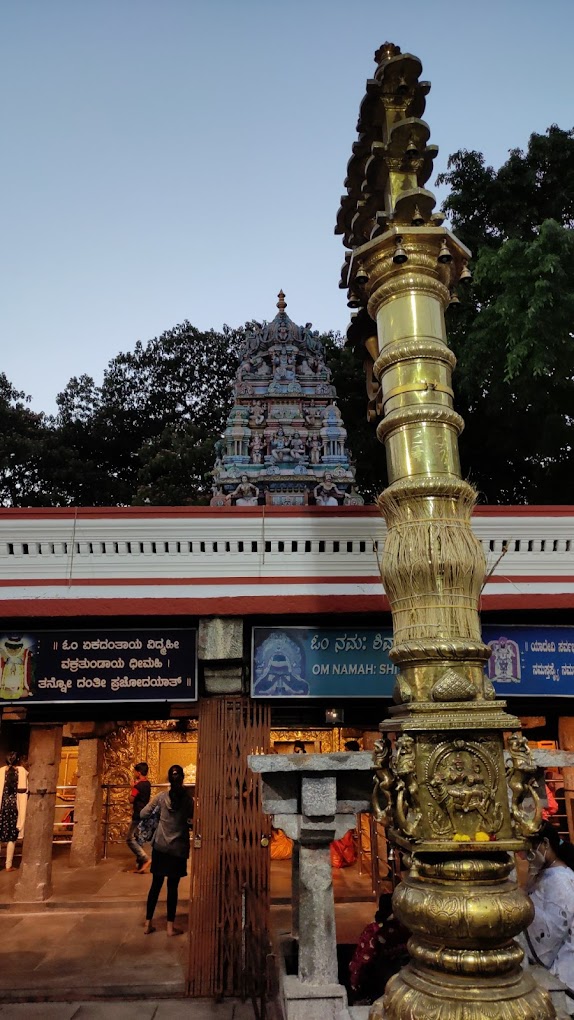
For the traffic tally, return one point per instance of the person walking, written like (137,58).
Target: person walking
(140,794)
(170,847)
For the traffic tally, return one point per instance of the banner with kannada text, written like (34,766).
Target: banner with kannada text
(335,662)
(67,667)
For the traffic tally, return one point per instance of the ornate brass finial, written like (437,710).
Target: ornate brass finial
(281,304)
(386,51)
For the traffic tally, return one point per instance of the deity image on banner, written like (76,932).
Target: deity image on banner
(16,673)
(504,663)
(279,665)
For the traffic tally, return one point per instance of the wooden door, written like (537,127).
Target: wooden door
(229,902)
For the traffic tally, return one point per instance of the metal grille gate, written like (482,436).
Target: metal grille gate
(229,905)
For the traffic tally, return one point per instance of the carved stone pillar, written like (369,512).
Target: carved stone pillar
(35,877)
(295,891)
(87,838)
(314,798)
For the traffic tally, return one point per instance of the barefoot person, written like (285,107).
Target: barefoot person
(170,846)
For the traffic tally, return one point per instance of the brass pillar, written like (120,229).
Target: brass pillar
(441,782)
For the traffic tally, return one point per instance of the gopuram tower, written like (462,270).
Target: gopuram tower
(452,803)
(284,442)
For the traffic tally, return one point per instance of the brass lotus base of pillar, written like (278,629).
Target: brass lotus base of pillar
(427,995)
(464,964)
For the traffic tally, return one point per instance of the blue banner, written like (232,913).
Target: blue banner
(321,662)
(84,666)
(531,660)
(334,662)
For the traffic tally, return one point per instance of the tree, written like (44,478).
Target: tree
(165,400)
(513,333)
(22,441)
(367,454)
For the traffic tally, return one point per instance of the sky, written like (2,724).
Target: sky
(184,159)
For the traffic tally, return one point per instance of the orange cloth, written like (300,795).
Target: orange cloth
(344,851)
(552,808)
(281,846)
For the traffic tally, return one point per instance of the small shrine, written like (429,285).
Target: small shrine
(284,442)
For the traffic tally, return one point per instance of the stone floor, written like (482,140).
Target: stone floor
(172,1009)
(83,955)
(87,942)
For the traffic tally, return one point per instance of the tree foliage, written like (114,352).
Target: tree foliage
(513,333)
(367,454)
(23,436)
(146,434)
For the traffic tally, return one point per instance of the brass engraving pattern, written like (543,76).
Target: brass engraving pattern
(383,782)
(463,780)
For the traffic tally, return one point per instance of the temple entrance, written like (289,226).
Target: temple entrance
(161,744)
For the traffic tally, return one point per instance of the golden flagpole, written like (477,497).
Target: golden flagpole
(441,786)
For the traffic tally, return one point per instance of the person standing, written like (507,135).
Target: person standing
(13,801)
(170,848)
(140,794)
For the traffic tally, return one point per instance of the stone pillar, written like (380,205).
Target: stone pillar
(220,648)
(566,740)
(87,839)
(317,827)
(314,798)
(35,879)
(317,937)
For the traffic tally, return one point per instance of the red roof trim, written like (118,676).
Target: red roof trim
(249,605)
(210,512)
(243,606)
(214,512)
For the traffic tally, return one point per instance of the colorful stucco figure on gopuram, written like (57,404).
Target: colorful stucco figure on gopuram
(444,789)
